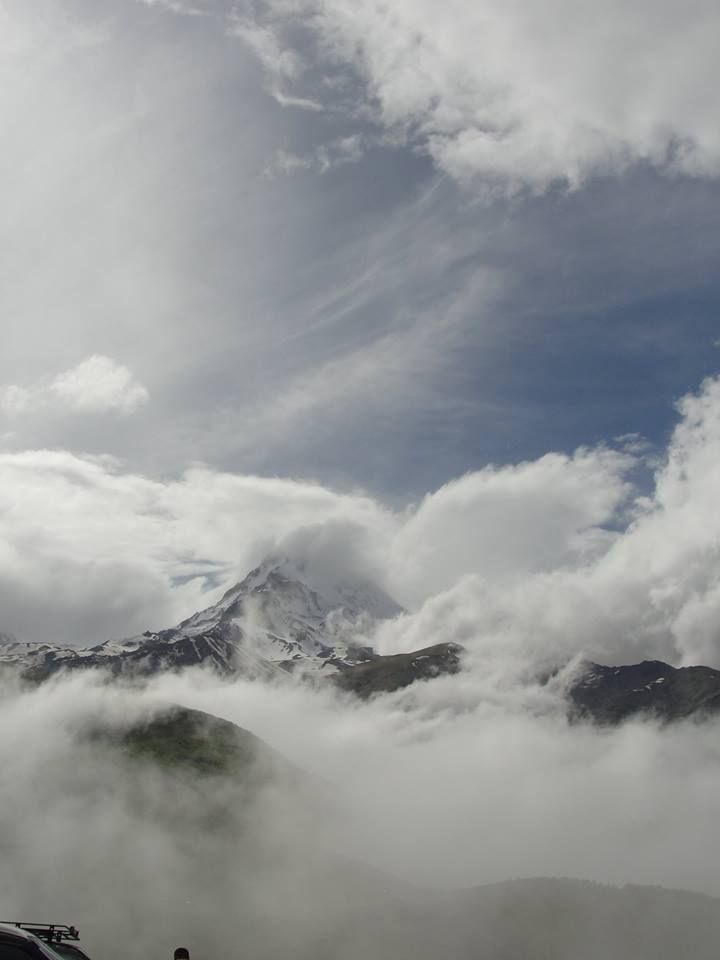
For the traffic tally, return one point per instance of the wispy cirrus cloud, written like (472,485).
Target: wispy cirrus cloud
(282,64)
(325,157)
(333,324)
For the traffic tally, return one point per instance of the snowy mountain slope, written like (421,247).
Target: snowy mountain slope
(288,616)
(14,652)
(281,618)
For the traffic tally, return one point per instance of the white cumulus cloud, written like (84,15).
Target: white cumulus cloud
(525,565)
(519,94)
(96,385)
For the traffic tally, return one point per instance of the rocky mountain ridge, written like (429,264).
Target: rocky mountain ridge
(280,620)
(284,620)
(653,689)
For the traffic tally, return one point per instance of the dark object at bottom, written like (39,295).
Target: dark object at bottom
(49,932)
(22,940)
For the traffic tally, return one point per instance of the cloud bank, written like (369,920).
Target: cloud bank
(535,562)
(431,787)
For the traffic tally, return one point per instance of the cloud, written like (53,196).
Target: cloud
(264,43)
(96,385)
(183,7)
(493,780)
(128,826)
(89,551)
(506,523)
(515,95)
(526,566)
(646,590)
(282,64)
(326,157)
(345,361)
(492,790)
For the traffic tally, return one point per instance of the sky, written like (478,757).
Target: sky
(440,275)
(423,292)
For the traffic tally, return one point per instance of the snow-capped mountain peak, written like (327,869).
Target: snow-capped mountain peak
(288,613)
(354,595)
(282,617)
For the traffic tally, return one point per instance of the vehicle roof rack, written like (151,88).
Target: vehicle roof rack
(51,932)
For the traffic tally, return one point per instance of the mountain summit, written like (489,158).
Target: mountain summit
(282,617)
(291,616)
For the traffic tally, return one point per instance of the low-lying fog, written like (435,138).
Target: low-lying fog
(438,786)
